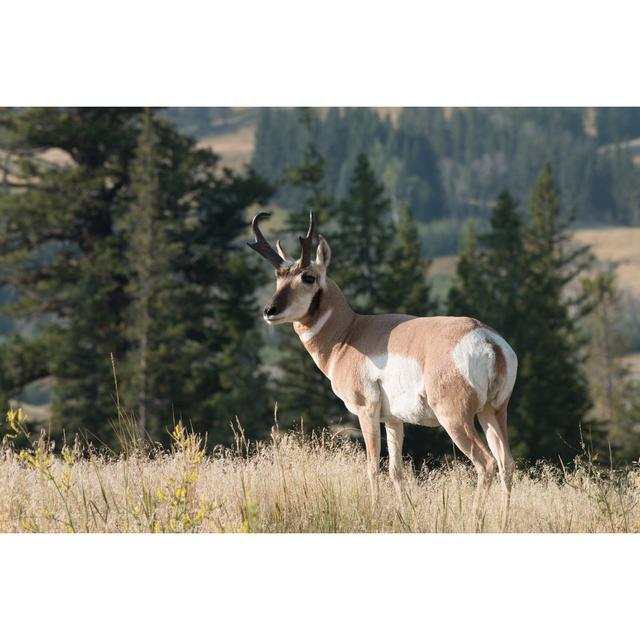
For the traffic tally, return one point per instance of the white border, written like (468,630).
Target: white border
(320,586)
(334,52)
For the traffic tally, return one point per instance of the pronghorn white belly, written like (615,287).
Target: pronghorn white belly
(402,391)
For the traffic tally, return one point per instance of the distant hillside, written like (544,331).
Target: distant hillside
(235,147)
(612,134)
(444,162)
(231,131)
(618,246)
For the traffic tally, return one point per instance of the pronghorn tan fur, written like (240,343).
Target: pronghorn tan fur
(433,371)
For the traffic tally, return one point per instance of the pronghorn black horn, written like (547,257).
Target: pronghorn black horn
(261,245)
(307,241)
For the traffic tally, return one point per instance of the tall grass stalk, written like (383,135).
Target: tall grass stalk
(295,482)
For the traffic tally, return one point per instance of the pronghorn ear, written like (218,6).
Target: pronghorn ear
(282,253)
(323,254)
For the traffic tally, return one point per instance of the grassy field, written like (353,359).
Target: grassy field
(617,245)
(291,484)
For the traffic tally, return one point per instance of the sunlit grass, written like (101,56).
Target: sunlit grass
(289,484)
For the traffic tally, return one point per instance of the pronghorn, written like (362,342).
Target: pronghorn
(431,371)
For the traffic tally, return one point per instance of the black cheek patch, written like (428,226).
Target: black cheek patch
(315,302)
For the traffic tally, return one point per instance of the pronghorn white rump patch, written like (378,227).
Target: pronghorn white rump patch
(315,329)
(474,357)
(511,360)
(400,382)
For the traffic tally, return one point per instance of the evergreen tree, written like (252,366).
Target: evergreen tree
(363,243)
(150,316)
(453,161)
(59,252)
(468,292)
(215,315)
(407,289)
(552,397)
(517,282)
(308,178)
(494,276)
(124,242)
(418,183)
(243,388)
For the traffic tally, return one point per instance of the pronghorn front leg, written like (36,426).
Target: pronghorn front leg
(395,436)
(369,417)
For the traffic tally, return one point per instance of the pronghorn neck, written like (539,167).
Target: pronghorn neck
(326,324)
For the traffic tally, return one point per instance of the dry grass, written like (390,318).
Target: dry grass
(235,148)
(290,485)
(619,245)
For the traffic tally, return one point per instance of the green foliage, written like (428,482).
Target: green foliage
(445,237)
(451,162)
(379,267)
(242,388)
(467,294)
(58,252)
(122,248)
(308,179)
(377,263)
(406,289)
(488,149)
(151,330)
(405,164)
(362,246)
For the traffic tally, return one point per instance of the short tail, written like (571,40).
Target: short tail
(505,370)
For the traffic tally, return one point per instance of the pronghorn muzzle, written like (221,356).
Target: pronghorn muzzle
(277,304)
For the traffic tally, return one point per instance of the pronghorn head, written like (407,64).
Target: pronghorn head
(298,282)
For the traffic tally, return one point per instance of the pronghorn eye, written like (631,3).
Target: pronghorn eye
(308,279)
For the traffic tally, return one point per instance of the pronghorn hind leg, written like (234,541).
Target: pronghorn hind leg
(494,423)
(395,437)
(369,418)
(463,433)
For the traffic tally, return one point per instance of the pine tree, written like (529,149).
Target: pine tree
(517,282)
(407,289)
(150,316)
(363,242)
(308,178)
(59,252)
(554,398)
(127,241)
(215,317)
(488,281)
(226,378)
(468,292)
